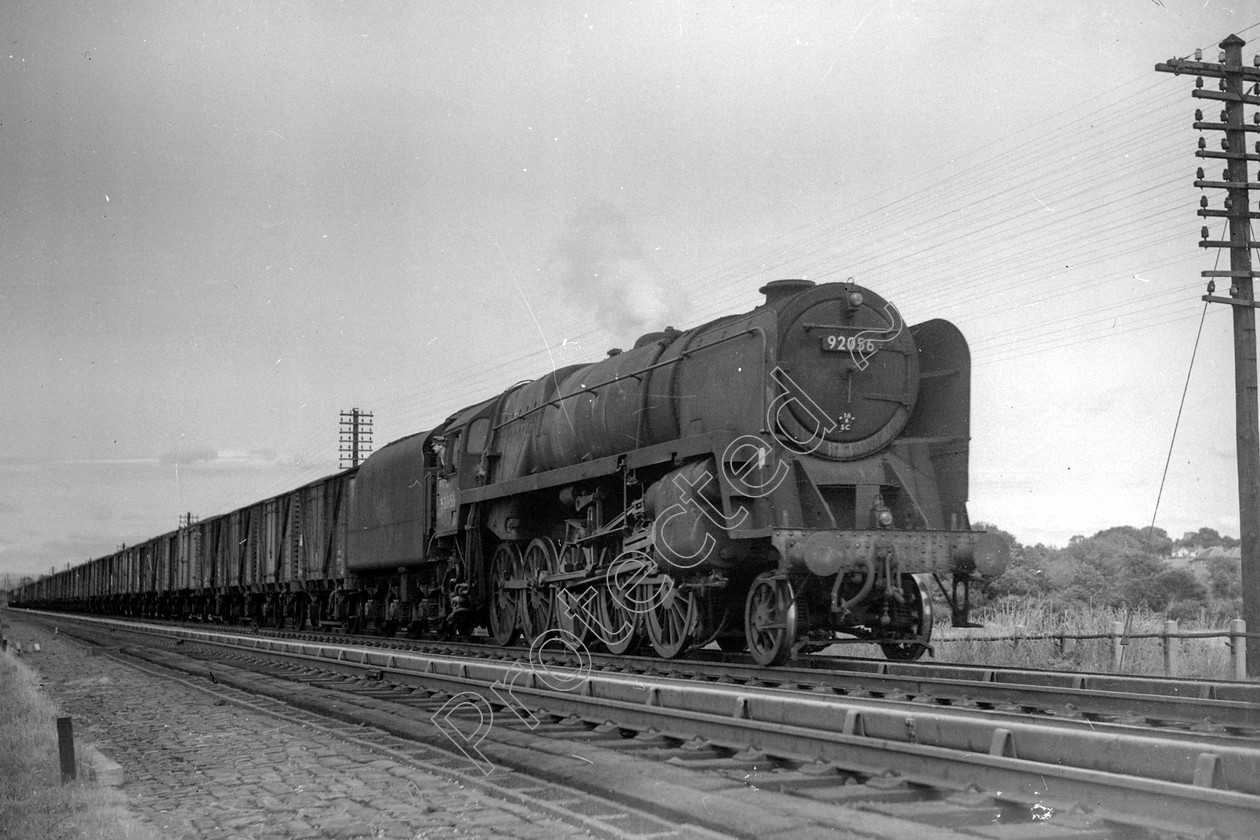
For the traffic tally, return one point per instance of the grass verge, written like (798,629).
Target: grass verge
(33,802)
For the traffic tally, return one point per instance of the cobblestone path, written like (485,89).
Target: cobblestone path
(197,767)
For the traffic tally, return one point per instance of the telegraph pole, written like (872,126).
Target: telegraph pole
(356,437)
(1233,78)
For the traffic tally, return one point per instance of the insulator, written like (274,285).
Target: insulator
(1220,85)
(1203,232)
(1220,57)
(1225,144)
(1255,118)
(1198,55)
(1255,59)
(1225,174)
(1198,173)
(1258,147)
(1203,202)
(1202,143)
(1224,116)
(1198,82)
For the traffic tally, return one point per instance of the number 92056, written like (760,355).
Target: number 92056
(849,343)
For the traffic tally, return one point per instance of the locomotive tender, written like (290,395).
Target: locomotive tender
(766,480)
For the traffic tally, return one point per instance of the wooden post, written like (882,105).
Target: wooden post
(1117,639)
(1245,384)
(1172,664)
(65,748)
(1233,95)
(1238,647)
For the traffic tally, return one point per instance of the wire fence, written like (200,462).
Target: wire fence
(1121,636)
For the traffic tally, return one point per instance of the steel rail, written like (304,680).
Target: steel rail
(1181,688)
(1138,779)
(1187,702)
(1074,695)
(813,670)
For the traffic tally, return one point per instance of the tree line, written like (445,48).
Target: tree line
(1122,566)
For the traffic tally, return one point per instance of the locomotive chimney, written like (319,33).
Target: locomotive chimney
(780,290)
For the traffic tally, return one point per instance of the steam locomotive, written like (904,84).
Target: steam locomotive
(770,481)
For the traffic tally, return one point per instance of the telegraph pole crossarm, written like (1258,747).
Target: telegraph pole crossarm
(1241,300)
(356,437)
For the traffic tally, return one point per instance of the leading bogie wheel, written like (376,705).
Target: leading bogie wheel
(770,619)
(913,620)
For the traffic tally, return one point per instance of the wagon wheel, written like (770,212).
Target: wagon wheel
(505,603)
(673,619)
(912,621)
(770,619)
(538,603)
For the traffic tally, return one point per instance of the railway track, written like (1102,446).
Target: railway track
(955,767)
(1168,703)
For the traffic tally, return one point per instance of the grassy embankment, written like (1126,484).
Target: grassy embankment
(33,802)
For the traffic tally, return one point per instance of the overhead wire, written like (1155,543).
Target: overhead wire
(961,200)
(952,230)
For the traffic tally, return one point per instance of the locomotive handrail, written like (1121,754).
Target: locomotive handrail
(708,442)
(635,375)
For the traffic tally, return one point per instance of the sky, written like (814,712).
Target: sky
(224,224)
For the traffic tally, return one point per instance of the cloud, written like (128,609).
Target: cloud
(601,263)
(184,457)
(220,457)
(32,559)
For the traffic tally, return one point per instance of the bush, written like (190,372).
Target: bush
(1017,580)
(1181,589)
(1225,577)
